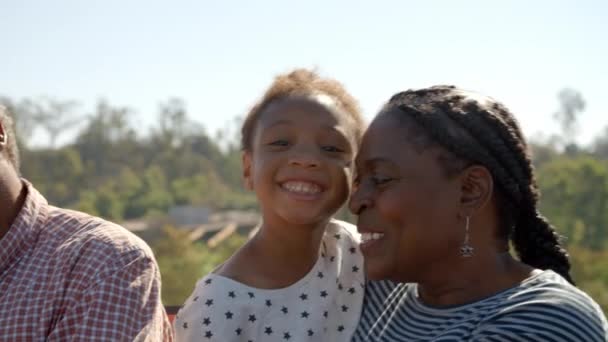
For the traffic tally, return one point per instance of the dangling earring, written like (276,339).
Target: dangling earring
(2,139)
(466,250)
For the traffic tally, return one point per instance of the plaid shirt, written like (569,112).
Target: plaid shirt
(67,276)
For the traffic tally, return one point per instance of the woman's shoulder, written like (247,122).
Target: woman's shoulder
(547,306)
(549,288)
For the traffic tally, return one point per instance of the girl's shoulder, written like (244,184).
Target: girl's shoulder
(341,229)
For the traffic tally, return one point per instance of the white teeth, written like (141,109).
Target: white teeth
(371,236)
(302,187)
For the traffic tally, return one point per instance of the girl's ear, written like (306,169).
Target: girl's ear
(247,165)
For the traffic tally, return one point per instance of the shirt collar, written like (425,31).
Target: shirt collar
(24,230)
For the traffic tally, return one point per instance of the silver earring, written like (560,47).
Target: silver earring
(466,250)
(2,139)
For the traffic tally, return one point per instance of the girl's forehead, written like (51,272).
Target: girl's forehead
(317,107)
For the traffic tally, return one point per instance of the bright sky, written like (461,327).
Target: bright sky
(219,56)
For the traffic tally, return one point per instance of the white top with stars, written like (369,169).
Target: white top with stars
(325,305)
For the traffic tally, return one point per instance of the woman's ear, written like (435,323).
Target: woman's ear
(477,187)
(247,178)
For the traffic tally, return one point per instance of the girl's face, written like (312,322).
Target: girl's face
(300,162)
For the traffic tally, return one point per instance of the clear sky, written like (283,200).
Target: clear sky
(218,56)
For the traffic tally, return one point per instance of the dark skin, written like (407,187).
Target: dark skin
(12,190)
(422,211)
(295,140)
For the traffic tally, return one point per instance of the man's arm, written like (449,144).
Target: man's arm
(122,305)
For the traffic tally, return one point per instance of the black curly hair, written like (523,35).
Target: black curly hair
(473,129)
(303,82)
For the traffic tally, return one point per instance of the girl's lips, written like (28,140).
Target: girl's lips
(302,190)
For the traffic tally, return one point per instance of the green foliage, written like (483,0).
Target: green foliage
(575,198)
(590,271)
(183,262)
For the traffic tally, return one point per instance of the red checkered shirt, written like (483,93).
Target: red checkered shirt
(68,276)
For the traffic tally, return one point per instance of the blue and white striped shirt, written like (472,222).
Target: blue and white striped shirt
(544,307)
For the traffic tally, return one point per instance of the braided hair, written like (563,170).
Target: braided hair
(474,129)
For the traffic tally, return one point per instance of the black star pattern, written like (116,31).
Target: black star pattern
(284,310)
(208,334)
(353,250)
(310,332)
(238,331)
(355,269)
(304,296)
(320,275)
(340,328)
(185,325)
(208,281)
(340,287)
(323,294)
(206,321)
(209,302)
(304,314)
(332,258)
(351,290)
(251,295)
(252,318)
(325,314)
(231,294)
(268,302)
(286,336)
(337,236)
(268,331)
(229,315)
(344,308)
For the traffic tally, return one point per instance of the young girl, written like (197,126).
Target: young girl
(300,278)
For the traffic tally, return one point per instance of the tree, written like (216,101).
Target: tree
(55,116)
(575,198)
(571,105)
(600,145)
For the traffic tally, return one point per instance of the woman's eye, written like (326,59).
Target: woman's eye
(279,143)
(379,180)
(330,148)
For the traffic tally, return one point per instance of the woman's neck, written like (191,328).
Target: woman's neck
(467,283)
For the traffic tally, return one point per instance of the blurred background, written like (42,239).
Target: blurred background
(131,110)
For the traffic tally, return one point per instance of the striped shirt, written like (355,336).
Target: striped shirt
(544,307)
(68,276)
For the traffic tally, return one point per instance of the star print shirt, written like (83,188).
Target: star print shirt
(324,305)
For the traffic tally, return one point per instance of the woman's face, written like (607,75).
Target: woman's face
(407,206)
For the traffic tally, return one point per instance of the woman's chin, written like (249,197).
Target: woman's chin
(375,270)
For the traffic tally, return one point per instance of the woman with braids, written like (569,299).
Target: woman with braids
(444,189)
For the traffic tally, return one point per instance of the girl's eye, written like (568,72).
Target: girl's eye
(279,143)
(330,148)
